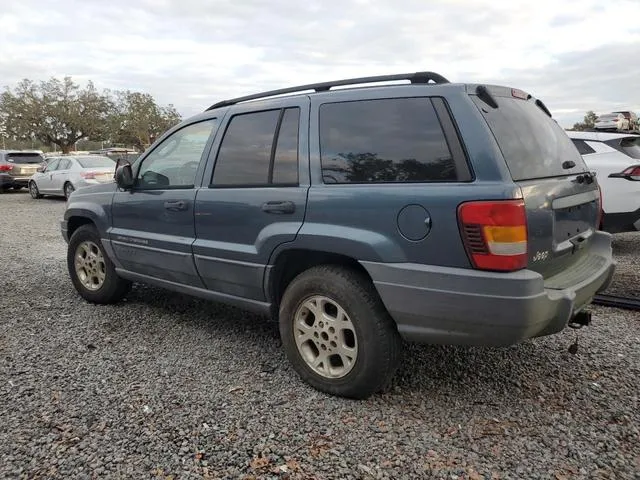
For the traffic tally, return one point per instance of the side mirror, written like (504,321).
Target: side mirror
(124,177)
(40,169)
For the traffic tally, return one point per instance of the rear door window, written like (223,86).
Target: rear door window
(259,149)
(386,141)
(532,143)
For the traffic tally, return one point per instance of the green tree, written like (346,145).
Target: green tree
(587,123)
(54,112)
(138,120)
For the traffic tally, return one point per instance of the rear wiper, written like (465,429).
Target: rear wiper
(543,107)
(485,95)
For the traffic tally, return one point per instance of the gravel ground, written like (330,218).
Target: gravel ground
(627,280)
(164,386)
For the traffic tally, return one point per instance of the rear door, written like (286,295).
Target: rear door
(256,196)
(561,196)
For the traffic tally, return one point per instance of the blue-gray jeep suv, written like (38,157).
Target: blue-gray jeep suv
(360,216)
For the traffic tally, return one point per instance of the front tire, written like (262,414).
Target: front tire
(33,190)
(337,334)
(68,190)
(92,272)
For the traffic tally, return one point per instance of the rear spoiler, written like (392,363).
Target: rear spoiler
(487,94)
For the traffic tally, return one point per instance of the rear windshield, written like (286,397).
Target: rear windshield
(532,143)
(25,158)
(629,146)
(95,162)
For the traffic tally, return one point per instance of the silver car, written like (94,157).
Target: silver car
(62,175)
(615,121)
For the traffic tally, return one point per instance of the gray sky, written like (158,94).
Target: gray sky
(576,55)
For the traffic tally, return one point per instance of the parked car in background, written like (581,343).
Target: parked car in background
(430,211)
(62,175)
(631,118)
(615,157)
(612,122)
(16,168)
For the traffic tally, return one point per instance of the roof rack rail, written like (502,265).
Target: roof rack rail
(417,77)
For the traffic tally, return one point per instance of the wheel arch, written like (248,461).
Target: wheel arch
(289,263)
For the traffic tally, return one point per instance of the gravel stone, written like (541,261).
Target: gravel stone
(166,386)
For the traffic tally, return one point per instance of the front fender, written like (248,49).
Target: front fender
(96,208)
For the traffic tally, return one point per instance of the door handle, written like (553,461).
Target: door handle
(175,206)
(279,207)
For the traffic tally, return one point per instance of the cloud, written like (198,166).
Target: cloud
(576,55)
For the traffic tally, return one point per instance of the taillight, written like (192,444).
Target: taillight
(6,168)
(495,234)
(88,175)
(630,173)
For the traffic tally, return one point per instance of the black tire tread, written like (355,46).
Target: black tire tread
(388,358)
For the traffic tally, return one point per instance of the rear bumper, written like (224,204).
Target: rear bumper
(7,181)
(621,222)
(469,307)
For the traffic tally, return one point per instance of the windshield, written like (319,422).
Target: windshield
(25,158)
(532,143)
(96,162)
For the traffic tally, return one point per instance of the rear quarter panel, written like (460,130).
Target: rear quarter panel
(362,220)
(618,195)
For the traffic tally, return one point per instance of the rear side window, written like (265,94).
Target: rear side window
(385,141)
(24,158)
(582,146)
(259,149)
(532,143)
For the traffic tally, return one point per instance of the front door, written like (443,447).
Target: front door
(46,180)
(153,225)
(255,198)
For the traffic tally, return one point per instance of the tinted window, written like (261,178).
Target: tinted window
(532,143)
(96,162)
(582,147)
(24,158)
(245,151)
(389,140)
(629,146)
(175,161)
(285,162)
(245,155)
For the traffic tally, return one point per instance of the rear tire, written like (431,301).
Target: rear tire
(337,334)
(91,270)
(33,190)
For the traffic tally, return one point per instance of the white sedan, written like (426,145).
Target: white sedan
(615,157)
(62,175)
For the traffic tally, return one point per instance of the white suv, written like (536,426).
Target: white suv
(615,157)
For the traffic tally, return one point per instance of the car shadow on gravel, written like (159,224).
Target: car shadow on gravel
(487,376)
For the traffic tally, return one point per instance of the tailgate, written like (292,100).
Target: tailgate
(561,196)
